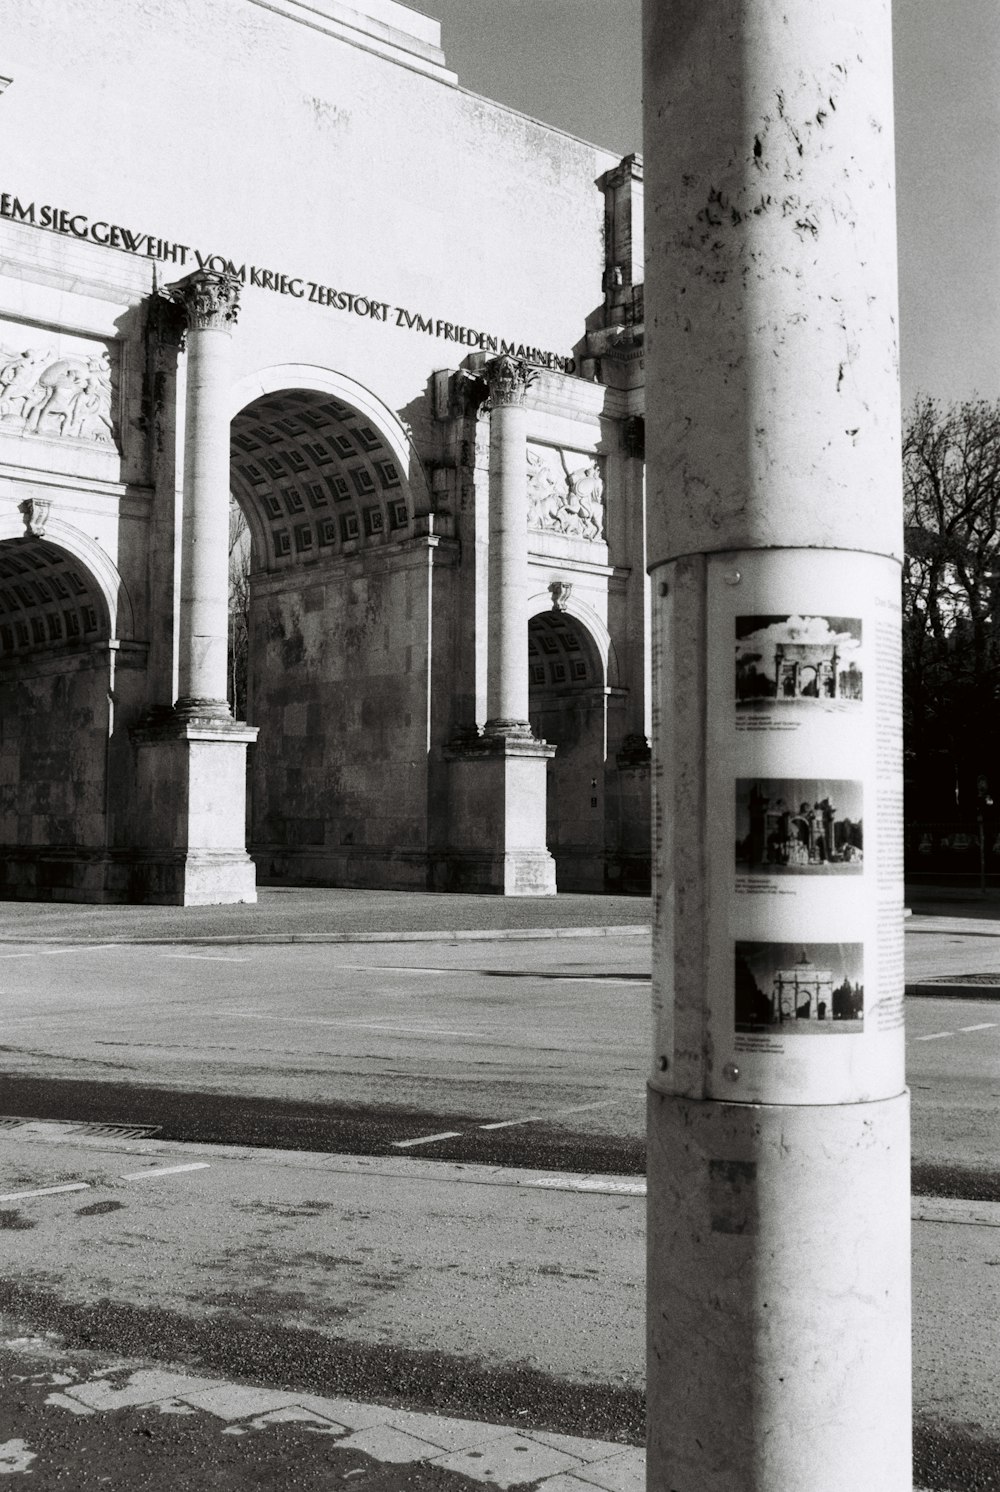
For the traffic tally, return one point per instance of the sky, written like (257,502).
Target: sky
(577,64)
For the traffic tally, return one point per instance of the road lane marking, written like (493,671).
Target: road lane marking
(934,1036)
(212,958)
(310,1020)
(582,1108)
(447,1134)
(197,1165)
(983,1026)
(399,969)
(610,1184)
(52,952)
(47,1191)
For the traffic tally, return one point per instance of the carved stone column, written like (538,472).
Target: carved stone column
(507,658)
(211,305)
(190,838)
(497,782)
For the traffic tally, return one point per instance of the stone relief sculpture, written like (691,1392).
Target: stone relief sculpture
(573,505)
(42,394)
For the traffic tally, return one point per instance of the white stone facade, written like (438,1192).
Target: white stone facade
(276,251)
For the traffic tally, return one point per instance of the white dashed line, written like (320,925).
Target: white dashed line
(610,1184)
(47,1191)
(583,1108)
(935,1036)
(198,1165)
(448,1134)
(303,1020)
(983,1026)
(53,952)
(212,958)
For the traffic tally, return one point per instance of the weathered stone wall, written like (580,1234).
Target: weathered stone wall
(53,773)
(339,684)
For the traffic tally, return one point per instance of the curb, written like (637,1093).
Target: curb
(953,990)
(462,935)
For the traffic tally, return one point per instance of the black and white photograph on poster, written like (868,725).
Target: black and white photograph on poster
(795,660)
(799,989)
(799,826)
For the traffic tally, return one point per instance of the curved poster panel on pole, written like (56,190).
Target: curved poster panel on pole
(803,802)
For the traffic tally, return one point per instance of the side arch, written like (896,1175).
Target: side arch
(540,602)
(108,589)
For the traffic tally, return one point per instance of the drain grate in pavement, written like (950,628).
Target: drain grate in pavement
(101,1131)
(117,1131)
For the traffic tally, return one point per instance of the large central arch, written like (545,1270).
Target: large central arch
(341,615)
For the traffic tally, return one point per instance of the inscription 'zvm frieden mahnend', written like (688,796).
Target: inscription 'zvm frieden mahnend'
(167,251)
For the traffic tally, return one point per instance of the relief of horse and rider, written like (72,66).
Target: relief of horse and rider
(570,502)
(44,394)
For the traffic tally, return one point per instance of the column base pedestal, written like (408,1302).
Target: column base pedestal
(191,790)
(497,817)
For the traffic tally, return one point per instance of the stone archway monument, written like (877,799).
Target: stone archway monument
(191,760)
(774,479)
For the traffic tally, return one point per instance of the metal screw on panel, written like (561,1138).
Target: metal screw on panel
(733,577)
(731,1071)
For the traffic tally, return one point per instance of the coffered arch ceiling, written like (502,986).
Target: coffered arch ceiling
(48,601)
(316,479)
(562,656)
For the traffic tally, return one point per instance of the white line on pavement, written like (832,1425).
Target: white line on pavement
(51,952)
(308,1020)
(399,969)
(197,1165)
(582,1108)
(934,1036)
(212,958)
(47,1191)
(610,1184)
(447,1134)
(983,1026)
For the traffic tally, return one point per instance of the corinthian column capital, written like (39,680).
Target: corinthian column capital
(507,379)
(211,301)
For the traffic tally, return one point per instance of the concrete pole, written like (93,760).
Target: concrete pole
(211,304)
(779,1341)
(507,656)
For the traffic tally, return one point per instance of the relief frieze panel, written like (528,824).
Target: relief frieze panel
(61,388)
(565,493)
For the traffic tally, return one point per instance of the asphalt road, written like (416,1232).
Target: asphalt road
(532,1054)
(523,1053)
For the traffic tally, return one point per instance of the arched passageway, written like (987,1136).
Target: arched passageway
(56,720)
(341,600)
(567,703)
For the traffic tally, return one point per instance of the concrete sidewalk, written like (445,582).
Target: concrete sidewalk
(329,915)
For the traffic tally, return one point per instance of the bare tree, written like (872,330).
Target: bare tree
(239,609)
(951,606)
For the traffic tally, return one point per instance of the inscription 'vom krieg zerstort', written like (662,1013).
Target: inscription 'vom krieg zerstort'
(161,250)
